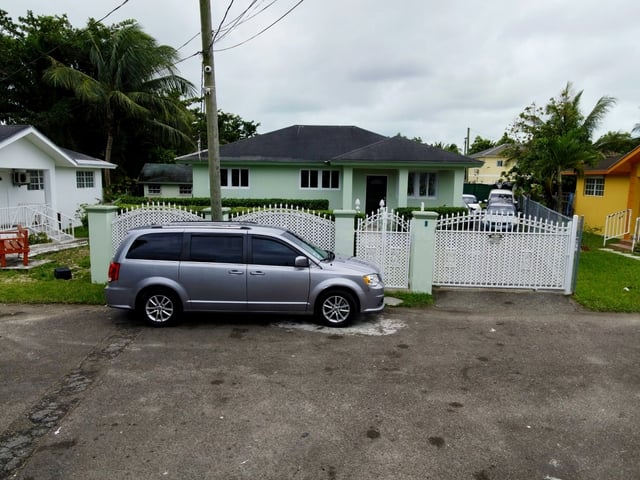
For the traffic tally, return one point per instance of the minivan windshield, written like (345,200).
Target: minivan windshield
(308,248)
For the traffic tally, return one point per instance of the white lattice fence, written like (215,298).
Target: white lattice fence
(384,239)
(538,254)
(317,229)
(148,214)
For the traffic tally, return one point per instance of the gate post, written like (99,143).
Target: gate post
(345,231)
(423,232)
(100,240)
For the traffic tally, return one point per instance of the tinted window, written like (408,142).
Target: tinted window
(271,252)
(216,248)
(156,246)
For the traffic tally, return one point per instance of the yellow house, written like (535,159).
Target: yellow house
(611,186)
(494,164)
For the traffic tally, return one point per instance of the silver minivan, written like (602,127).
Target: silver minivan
(161,271)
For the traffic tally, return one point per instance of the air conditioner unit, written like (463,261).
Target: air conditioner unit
(20,177)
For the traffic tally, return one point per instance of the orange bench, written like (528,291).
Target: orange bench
(14,241)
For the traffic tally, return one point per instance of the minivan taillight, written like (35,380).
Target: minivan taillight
(114,272)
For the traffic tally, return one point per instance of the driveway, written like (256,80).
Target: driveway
(483,385)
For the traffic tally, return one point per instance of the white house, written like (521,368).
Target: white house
(38,177)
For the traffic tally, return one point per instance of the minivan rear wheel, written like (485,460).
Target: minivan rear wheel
(336,308)
(160,307)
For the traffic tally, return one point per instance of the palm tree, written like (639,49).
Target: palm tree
(557,138)
(128,76)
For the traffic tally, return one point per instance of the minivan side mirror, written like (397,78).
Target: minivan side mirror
(301,261)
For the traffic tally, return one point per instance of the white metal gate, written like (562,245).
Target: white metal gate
(317,229)
(149,214)
(536,254)
(384,239)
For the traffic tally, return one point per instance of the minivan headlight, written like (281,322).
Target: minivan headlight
(372,280)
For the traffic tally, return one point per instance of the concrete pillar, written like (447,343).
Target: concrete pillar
(100,240)
(423,233)
(345,231)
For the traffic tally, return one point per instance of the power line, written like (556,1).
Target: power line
(263,30)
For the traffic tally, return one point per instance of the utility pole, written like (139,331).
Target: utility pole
(211,108)
(467,142)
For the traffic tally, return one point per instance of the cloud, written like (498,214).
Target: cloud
(421,68)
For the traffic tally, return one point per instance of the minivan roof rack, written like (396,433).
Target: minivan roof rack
(211,223)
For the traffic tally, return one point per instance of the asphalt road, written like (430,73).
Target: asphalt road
(482,386)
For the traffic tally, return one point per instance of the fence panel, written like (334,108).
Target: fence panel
(384,239)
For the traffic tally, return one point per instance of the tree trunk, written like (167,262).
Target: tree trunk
(559,191)
(107,158)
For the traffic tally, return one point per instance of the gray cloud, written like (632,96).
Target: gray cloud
(420,68)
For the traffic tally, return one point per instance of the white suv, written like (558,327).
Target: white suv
(161,271)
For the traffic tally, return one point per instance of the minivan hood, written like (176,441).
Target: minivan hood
(343,262)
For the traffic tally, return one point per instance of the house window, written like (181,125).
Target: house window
(422,184)
(185,189)
(36,180)
(234,177)
(499,163)
(154,189)
(320,179)
(594,186)
(84,179)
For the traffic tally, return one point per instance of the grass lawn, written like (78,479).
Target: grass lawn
(606,282)
(38,284)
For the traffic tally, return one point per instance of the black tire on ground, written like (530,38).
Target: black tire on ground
(160,307)
(336,308)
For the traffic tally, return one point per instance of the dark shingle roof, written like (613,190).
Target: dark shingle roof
(165,173)
(340,143)
(400,149)
(299,142)
(8,131)
(497,151)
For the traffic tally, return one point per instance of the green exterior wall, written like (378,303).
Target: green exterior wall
(282,181)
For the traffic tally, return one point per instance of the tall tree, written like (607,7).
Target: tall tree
(129,76)
(450,147)
(556,138)
(612,143)
(231,127)
(480,144)
(26,98)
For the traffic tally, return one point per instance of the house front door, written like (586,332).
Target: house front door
(376,191)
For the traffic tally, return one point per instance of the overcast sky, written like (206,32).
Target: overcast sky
(423,68)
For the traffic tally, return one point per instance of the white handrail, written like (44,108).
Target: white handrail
(38,218)
(617,225)
(636,235)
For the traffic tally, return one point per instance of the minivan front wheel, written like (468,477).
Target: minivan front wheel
(336,308)
(160,307)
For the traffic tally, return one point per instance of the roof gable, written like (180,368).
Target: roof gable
(497,151)
(62,157)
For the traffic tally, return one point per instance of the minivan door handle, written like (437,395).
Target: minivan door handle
(256,272)
(236,272)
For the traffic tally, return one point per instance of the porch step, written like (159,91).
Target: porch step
(40,248)
(622,245)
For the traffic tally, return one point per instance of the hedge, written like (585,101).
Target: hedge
(237,205)
(318,204)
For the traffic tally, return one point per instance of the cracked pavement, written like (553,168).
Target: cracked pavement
(483,385)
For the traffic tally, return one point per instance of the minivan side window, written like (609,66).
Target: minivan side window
(216,248)
(266,251)
(156,246)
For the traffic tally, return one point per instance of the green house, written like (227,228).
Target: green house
(351,167)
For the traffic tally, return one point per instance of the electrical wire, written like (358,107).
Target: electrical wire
(263,30)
